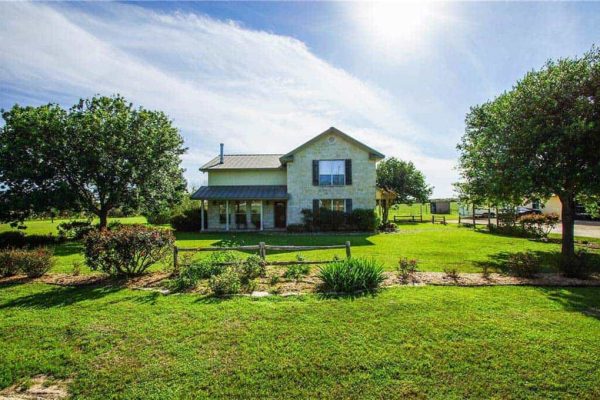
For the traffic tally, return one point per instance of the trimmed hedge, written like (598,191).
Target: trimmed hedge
(360,219)
(17,240)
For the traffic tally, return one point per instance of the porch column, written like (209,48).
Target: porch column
(227,215)
(201,215)
(261,215)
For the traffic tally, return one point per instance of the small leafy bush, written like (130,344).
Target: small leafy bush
(363,219)
(451,273)
(12,239)
(407,268)
(524,265)
(296,228)
(75,230)
(328,220)
(159,218)
(226,283)
(252,268)
(539,225)
(34,263)
(296,271)
(388,227)
(348,276)
(204,268)
(508,230)
(127,251)
(188,221)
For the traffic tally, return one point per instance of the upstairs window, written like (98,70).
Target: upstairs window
(332,172)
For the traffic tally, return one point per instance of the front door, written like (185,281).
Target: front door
(280,214)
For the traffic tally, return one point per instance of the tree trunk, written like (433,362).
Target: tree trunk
(103,214)
(386,210)
(568,231)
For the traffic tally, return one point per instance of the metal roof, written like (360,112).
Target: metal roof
(251,192)
(244,161)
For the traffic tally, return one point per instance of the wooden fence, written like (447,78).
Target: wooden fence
(411,218)
(439,220)
(262,248)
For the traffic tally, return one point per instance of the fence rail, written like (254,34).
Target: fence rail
(412,218)
(262,248)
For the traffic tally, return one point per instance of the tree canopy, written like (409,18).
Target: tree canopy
(540,138)
(403,178)
(100,154)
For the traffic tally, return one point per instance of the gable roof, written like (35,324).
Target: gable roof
(372,152)
(244,161)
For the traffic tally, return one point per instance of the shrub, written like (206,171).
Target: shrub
(273,280)
(227,282)
(75,230)
(539,225)
(204,268)
(451,273)
(296,271)
(351,275)
(159,218)
(34,263)
(12,239)
(252,268)
(296,228)
(508,230)
(388,227)
(407,268)
(364,219)
(127,251)
(580,266)
(42,240)
(188,221)
(524,265)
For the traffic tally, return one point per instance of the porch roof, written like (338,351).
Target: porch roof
(249,192)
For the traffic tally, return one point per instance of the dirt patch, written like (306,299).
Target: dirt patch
(40,387)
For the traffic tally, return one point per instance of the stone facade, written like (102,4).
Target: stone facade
(213,214)
(330,147)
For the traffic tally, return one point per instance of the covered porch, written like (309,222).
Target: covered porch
(242,208)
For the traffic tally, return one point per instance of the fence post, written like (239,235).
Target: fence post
(433,219)
(348,254)
(262,252)
(444,220)
(459,219)
(175,254)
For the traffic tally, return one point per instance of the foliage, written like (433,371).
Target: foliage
(296,228)
(538,139)
(327,220)
(388,227)
(99,155)
(226,283)
(523,264)
(127,251)
(404,179)
(451,273)
(17,239)
(407,268)
(203,268)
(188,221)
(251,268)
(159,217)
(34,263)
(581,266)
(539,225)
(75,230)
(296,271)
(353,275)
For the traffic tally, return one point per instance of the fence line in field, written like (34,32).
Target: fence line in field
(262,248)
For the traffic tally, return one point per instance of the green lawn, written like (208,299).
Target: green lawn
(437,247)
(427,342)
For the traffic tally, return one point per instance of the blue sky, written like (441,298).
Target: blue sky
(265,77)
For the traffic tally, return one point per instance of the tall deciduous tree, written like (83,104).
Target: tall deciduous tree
(101,154)
(404,179)
(540,138)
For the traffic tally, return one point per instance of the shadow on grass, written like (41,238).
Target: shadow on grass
(583,300)
(549,261)
(60,297)
(67,249)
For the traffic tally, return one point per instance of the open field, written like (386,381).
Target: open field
(427,342)
(436,247)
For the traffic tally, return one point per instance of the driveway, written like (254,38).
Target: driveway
(583,228)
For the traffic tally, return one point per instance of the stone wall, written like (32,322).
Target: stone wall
(299,176)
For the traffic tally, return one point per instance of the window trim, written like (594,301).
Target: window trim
(343,164)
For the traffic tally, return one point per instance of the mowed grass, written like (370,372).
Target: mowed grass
(436,247)
(412,342)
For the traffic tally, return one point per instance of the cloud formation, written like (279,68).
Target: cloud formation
(219,81)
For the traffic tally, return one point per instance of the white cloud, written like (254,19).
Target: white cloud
(220,82)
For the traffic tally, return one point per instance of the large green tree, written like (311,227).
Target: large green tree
(540,138)
(404,179)
(101,154)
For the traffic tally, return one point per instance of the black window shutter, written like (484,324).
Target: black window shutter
(315,172)
(348,206)
(315,206)
(348,172)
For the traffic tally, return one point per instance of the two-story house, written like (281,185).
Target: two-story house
(269,191)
